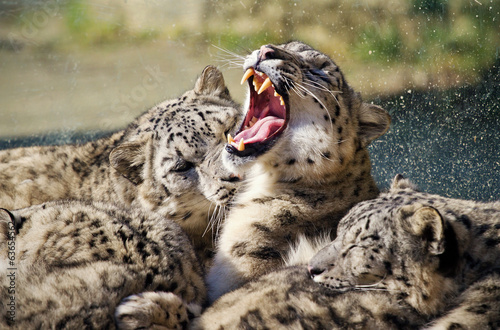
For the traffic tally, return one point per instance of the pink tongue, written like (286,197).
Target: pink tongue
(262,129)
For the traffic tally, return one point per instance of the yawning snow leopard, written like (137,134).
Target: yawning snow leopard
(71,263)
(302,146)
(168,161)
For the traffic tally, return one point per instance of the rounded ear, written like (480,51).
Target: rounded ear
(211,82)
(373,122)
(128,159)
(426,223)
(400,182)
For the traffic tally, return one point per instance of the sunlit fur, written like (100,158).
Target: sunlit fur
(75,261)
(289,299)
(405,260)
(317,169)
(304,249)
(439,255)
(168,161)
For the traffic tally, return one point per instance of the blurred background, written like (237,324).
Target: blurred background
(74,70)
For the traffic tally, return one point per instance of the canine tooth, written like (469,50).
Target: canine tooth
(276,94)
(256,85)
(282,102)
(241,146)
(230,139)
(250,72)
(265,85)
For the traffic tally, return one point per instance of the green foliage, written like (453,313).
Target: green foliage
(439,37)
(77,17)
(85,26)
(378,43)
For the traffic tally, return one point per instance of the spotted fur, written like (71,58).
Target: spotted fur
(74,262)
(289,299)
(405,260)
(167,161)
(311,175)
(440,256)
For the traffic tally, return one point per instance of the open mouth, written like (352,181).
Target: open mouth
(266,118)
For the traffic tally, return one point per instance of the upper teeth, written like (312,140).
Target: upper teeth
(250,72)
(265,85)
(260,87)
(256,85)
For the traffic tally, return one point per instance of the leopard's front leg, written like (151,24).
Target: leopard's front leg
(253,242)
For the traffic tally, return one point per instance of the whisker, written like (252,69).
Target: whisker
(220,217)
(288,86)
(376,289)
(213,223)
(319,101)
(229,52)
(372,285)
(230,59)
(320,153)
(229,64)
(217,217)
(317,85)
(296,90)
(209,216)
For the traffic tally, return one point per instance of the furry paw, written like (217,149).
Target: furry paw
(154,310)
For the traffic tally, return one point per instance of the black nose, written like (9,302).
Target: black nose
(266,53)
(315,271)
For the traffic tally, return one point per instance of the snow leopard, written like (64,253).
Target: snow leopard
(439,255)
(404,260)
(167,161)
(69,264)
(302,148)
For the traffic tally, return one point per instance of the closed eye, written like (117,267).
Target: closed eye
(182,165)
(314,74)
(369,279)
(346,251)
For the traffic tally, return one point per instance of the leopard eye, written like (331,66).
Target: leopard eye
(181,165)
(324,65)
